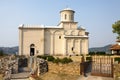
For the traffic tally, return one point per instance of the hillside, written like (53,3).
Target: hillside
(101,49)
(13,50)
(9,50)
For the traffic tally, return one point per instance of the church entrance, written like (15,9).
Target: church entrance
(32,50)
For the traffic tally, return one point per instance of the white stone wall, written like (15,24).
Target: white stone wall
(52,40)
(32,36)
(67,16)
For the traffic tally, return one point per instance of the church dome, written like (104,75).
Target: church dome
(67,9)
(67,15)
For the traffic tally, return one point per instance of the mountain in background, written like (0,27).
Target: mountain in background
(9,50)
(101,49)
(14,50)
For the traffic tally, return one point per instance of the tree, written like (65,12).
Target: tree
(116,28)
(1,53)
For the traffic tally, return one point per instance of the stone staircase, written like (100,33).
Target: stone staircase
(20,76)
(24,74)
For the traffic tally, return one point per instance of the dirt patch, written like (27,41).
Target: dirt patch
(1,76)
(59,76)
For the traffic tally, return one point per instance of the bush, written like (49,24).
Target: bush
(117,59)
(43,57)
(100,53)
(89,58)
(1,53)
(97,53)
(91,53)
(50,58)
(66,60)
(57,60)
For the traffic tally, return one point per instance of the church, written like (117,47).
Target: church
(67,38)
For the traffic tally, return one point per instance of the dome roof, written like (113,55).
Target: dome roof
(68,9)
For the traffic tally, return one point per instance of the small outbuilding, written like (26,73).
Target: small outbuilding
(116,48)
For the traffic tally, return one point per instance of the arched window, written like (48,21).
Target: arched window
(65,16)
(32,49)
(72,48)
(32,45)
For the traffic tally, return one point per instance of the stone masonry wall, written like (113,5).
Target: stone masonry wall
(72,68)
(8,66)
(42,65)
(116,71)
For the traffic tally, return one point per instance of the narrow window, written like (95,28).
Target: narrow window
(65,16)
(72,48)
(71,17)
(59,37)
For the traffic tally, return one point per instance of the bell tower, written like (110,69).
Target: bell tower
(67,15)
(67,19)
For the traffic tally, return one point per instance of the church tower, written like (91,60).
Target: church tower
(67,19)
(67,15)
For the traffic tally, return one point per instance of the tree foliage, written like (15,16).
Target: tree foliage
(1,53)
(116,28)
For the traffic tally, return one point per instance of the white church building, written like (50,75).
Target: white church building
(66,38)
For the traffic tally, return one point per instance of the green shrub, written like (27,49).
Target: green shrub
(91,53)
(97,53)
(2,53)
(42,56)
(89,58)
(50,58)
(66,60)
(100,53)
(57,60)
(117,59)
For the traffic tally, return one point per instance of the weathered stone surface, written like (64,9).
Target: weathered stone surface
(8,66)
(116,71)
(72,68)
(42,65)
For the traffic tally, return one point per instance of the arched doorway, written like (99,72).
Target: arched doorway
(32,49)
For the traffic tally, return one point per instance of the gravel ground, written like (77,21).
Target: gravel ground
(94,78)
(53,76)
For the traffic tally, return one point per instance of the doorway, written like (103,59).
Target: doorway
(32,50)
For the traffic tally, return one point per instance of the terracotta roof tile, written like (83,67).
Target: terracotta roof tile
(115,47)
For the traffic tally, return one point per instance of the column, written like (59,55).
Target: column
(80,46)
(51,50)
(65,47)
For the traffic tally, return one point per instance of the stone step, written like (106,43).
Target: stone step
(24,69)
(21,79)
(20,76)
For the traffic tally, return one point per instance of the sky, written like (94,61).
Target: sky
(97,16)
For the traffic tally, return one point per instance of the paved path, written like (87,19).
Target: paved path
(94,78)
(20,76)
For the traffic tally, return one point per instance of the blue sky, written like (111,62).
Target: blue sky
(97,16)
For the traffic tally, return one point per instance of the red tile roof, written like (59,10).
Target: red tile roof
(115,47)
(118,41)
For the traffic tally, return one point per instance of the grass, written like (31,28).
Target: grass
(59,76)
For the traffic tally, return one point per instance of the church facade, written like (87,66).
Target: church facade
(64,39)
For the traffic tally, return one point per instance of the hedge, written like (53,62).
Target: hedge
(56,60)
